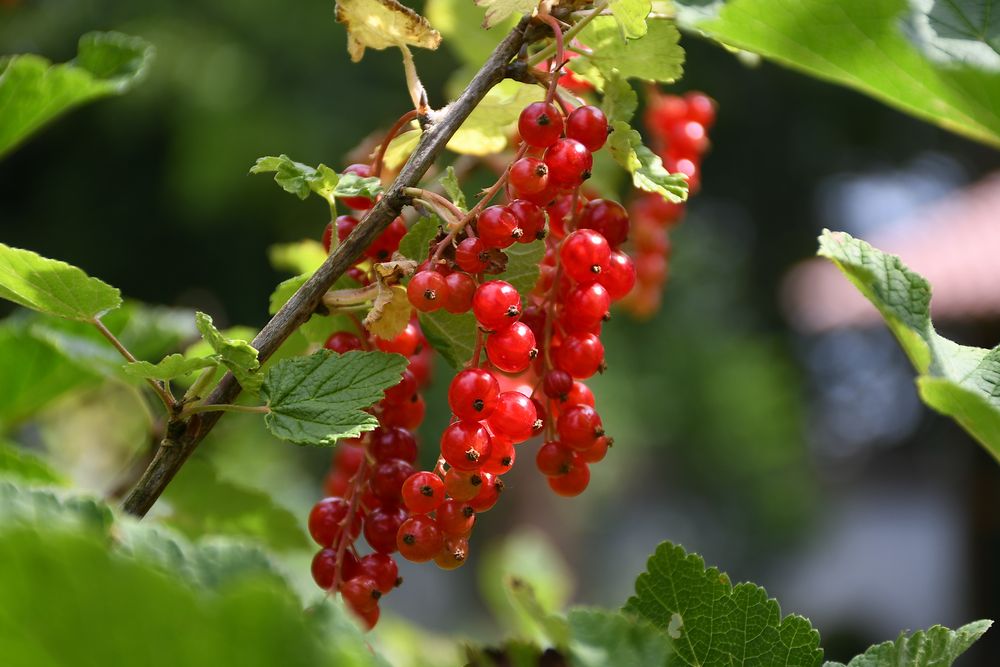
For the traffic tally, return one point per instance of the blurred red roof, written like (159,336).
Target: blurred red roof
(954,244)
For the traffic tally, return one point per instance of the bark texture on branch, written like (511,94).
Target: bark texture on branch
(183,437)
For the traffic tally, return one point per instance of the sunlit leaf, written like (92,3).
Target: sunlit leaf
(379,24)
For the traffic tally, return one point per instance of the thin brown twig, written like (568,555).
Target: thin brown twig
(185,437)
(169,402)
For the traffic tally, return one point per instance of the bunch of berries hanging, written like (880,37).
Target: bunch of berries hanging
(533,348)
(678,126)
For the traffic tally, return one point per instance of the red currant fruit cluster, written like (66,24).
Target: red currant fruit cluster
(679,128)
(364,487)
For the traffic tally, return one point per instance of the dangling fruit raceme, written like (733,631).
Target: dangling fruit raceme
(533,349)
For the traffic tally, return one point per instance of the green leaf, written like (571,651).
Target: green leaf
(53,287)
(34,373)
(934,647)
(459,21)
(657,56)
(937,61)
(319,399)
(498,10)
(300,257)
(553,628)
(301,179)
(524,261)
(453,336)
(33,91)
(170,367)
(620,100)
(157,620)
(237,355)
(400,148)
(648,172)
(488,127)
(451,186)
(959,381)
(416,244)
(599,637)
(25,467)
(204,503)
(710,622)
(33,507)
(631,16)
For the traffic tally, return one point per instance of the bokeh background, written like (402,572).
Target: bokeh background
(787,452)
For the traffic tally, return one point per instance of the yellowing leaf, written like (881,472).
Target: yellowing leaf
(379,24)
(400,148)
(498,10)
(390,312)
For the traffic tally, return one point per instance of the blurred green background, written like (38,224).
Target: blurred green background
(735,436)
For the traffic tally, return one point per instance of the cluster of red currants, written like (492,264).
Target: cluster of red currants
(678,126)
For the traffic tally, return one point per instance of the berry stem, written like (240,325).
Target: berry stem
(161,389)
(403,120)
(195,391)
(550,50)
(559,59)
(437,203)
(357,482)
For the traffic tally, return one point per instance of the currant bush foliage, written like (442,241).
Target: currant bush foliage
(959,381)
(711,622)
(924,648)
(33,91)
(938,61)
(318,399)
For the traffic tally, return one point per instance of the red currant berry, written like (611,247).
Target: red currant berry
(345,225)
(361,593)
(358,203)
(465,444)
(456,517)
(473,393)
(501,458)
(387,480)
(427,291)
(324,567)
(619,279)
(589,126)
(540,124)
(454,552)
(598,451)
(342,341)
(541,417)
(461,484)
(409,415)
(382,569)
(528,176)
(580,394)
(585,255)
(607,217)
(561,211)
(557,384)
(497,227)
(554,459)
(381,526)
(403,391)
(585,307)
(579,427)
(419,539)
(336,483)
(700,108)
(569,163)
(423,492)
(472,255)
(573,482)
(512,349)
(514,417)
(580,355)
(488,495)
(348,457)
(530,218)
(461,288)
(406,343)
(392,442)
(328,518)
(387,242)
(367,619)
(496,305)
